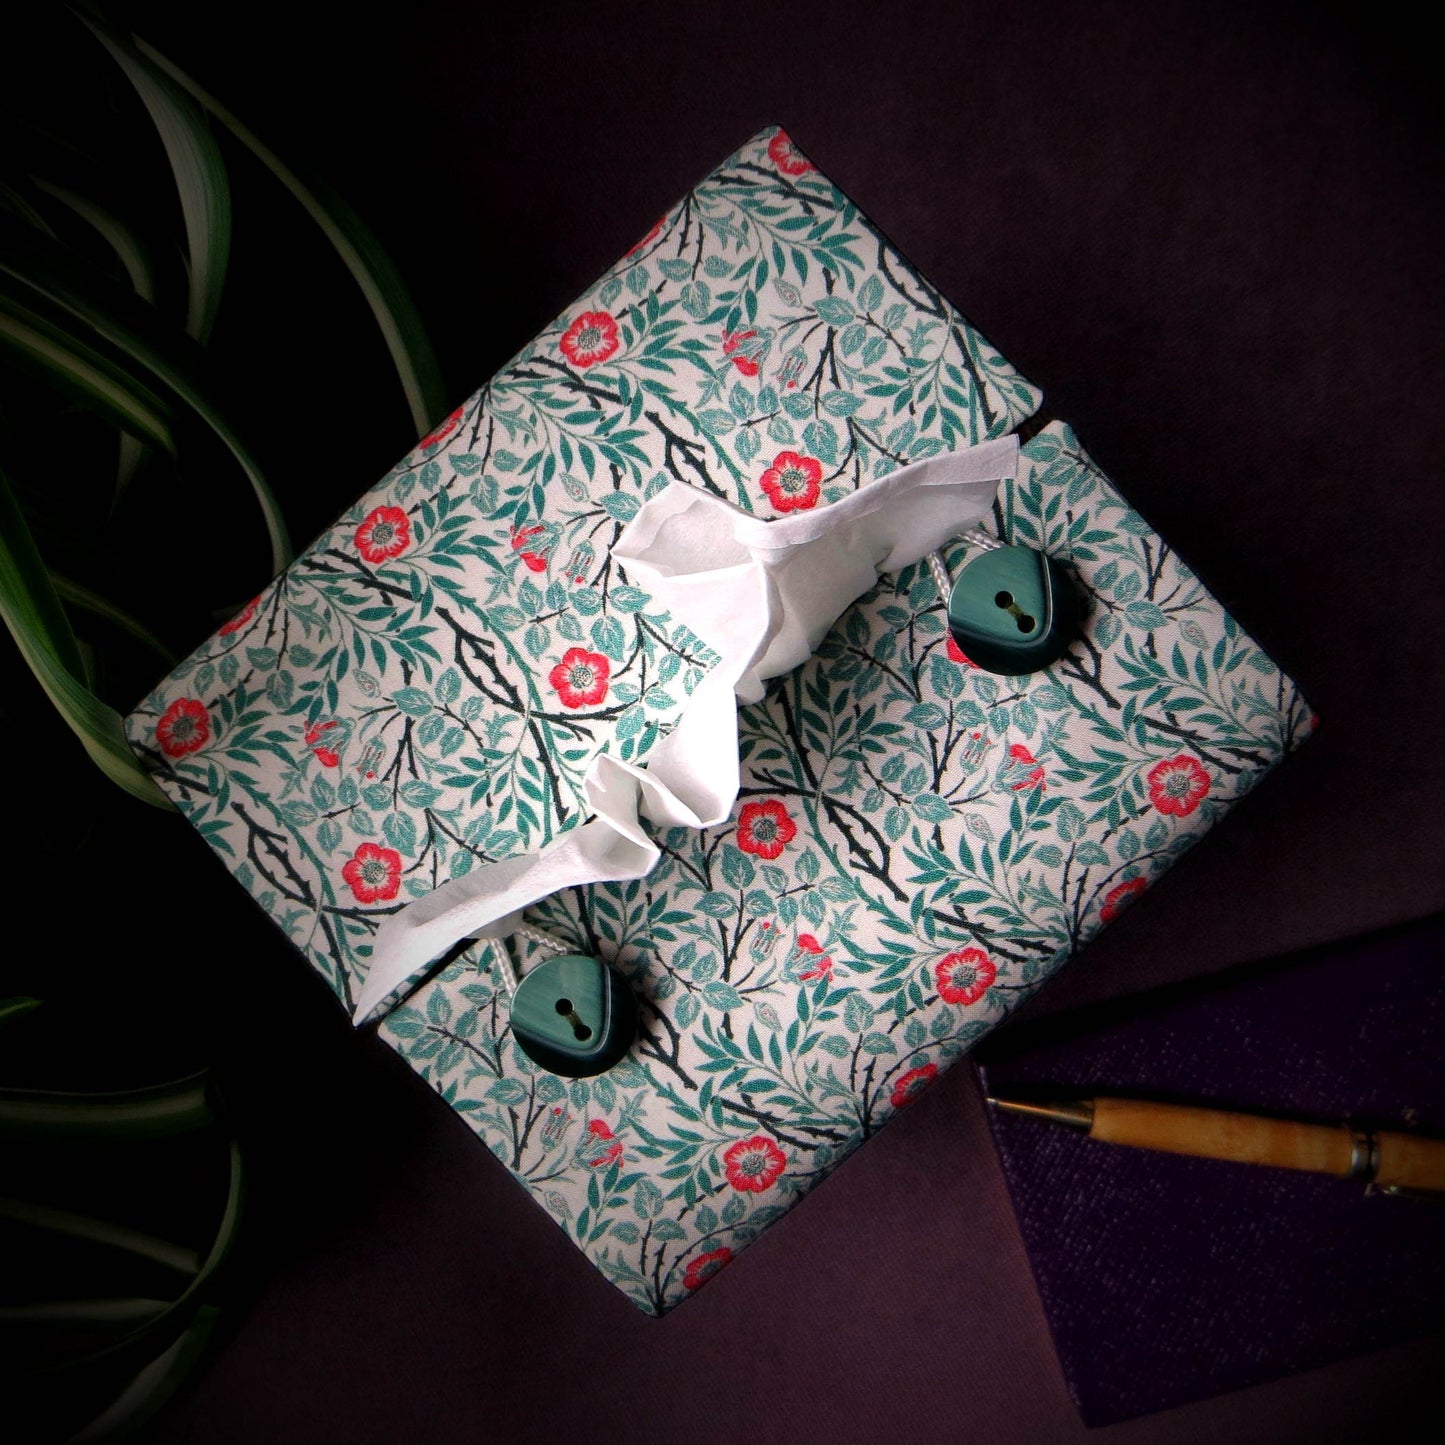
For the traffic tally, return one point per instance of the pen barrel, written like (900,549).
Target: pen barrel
(1216,1134)
(1409,1162)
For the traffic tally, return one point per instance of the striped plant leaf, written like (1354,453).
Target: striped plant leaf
(153,1386)
(381,283)
(199,170)
(130,248)
(32,611)
(80,596)
(135,256)
(63,358)
(76,292)
(143,1345)
(13,1008)
(18,204)
(178,1107)
(179,1259)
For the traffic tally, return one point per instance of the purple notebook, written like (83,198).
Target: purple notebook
(1168,1279)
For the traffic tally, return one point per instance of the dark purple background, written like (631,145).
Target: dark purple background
(1211,234)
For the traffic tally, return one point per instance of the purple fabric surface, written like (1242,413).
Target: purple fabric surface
(1212,235)
(1166,1278)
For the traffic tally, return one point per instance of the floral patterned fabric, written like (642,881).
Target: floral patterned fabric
(917,845)
(425,687)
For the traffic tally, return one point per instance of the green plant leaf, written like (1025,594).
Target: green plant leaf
(59,356)
(199,170)
(142,1345)
(153,1385)
(93,602)
(138,259)
(131,251)
(77,296)
(118,1313)
(381,283)
(175,1257)
(177,1107)
(13,1008)
(32,612)
(16,202)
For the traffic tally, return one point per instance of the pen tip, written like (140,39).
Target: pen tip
(1074,1115)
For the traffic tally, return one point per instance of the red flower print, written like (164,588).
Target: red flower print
(753,1164)
(765,828)
(650,237)
(443,431)
(384,534)
(185,727)
(964,977)
(241,618)
(1023,760)
(793,482)
(581,677)
(536,561)
(374,874)
(787,158)
(604,1148)
(1116,900)
(957,654)
(316,741)
(591,338)
(1177,786)
(822,964)
(705,1266)
(743,360)
(912,1084)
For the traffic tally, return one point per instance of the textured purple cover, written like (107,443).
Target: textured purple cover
(1167,1279)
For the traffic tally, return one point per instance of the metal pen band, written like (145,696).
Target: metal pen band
(1364,1154)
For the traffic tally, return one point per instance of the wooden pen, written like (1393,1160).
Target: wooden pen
(1391,1160)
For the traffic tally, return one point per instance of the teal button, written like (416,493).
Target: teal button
(574,1016)
(1013,610)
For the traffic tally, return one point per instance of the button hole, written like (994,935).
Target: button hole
(1003,599)
(1026,623)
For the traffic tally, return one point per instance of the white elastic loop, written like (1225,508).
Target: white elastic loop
(762,595)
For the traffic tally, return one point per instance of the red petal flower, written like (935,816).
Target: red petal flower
(964,977)
(956,654)
(741,359)
(374,874)
(536,561)
(786,156)
(581,677)
(912,1084)
(1023,758)
(754,1164)
(765,828)
(705,1266)
(793,482)
(1177,786)
(443,431)
(185,727)
(605,1147)
(314,740)
(241,618)
(1116,900)
(591,338)
(384,534)
(824,965)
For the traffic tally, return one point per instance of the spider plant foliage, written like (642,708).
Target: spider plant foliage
(115,251)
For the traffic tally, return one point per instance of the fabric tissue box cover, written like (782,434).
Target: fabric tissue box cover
(917,845)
